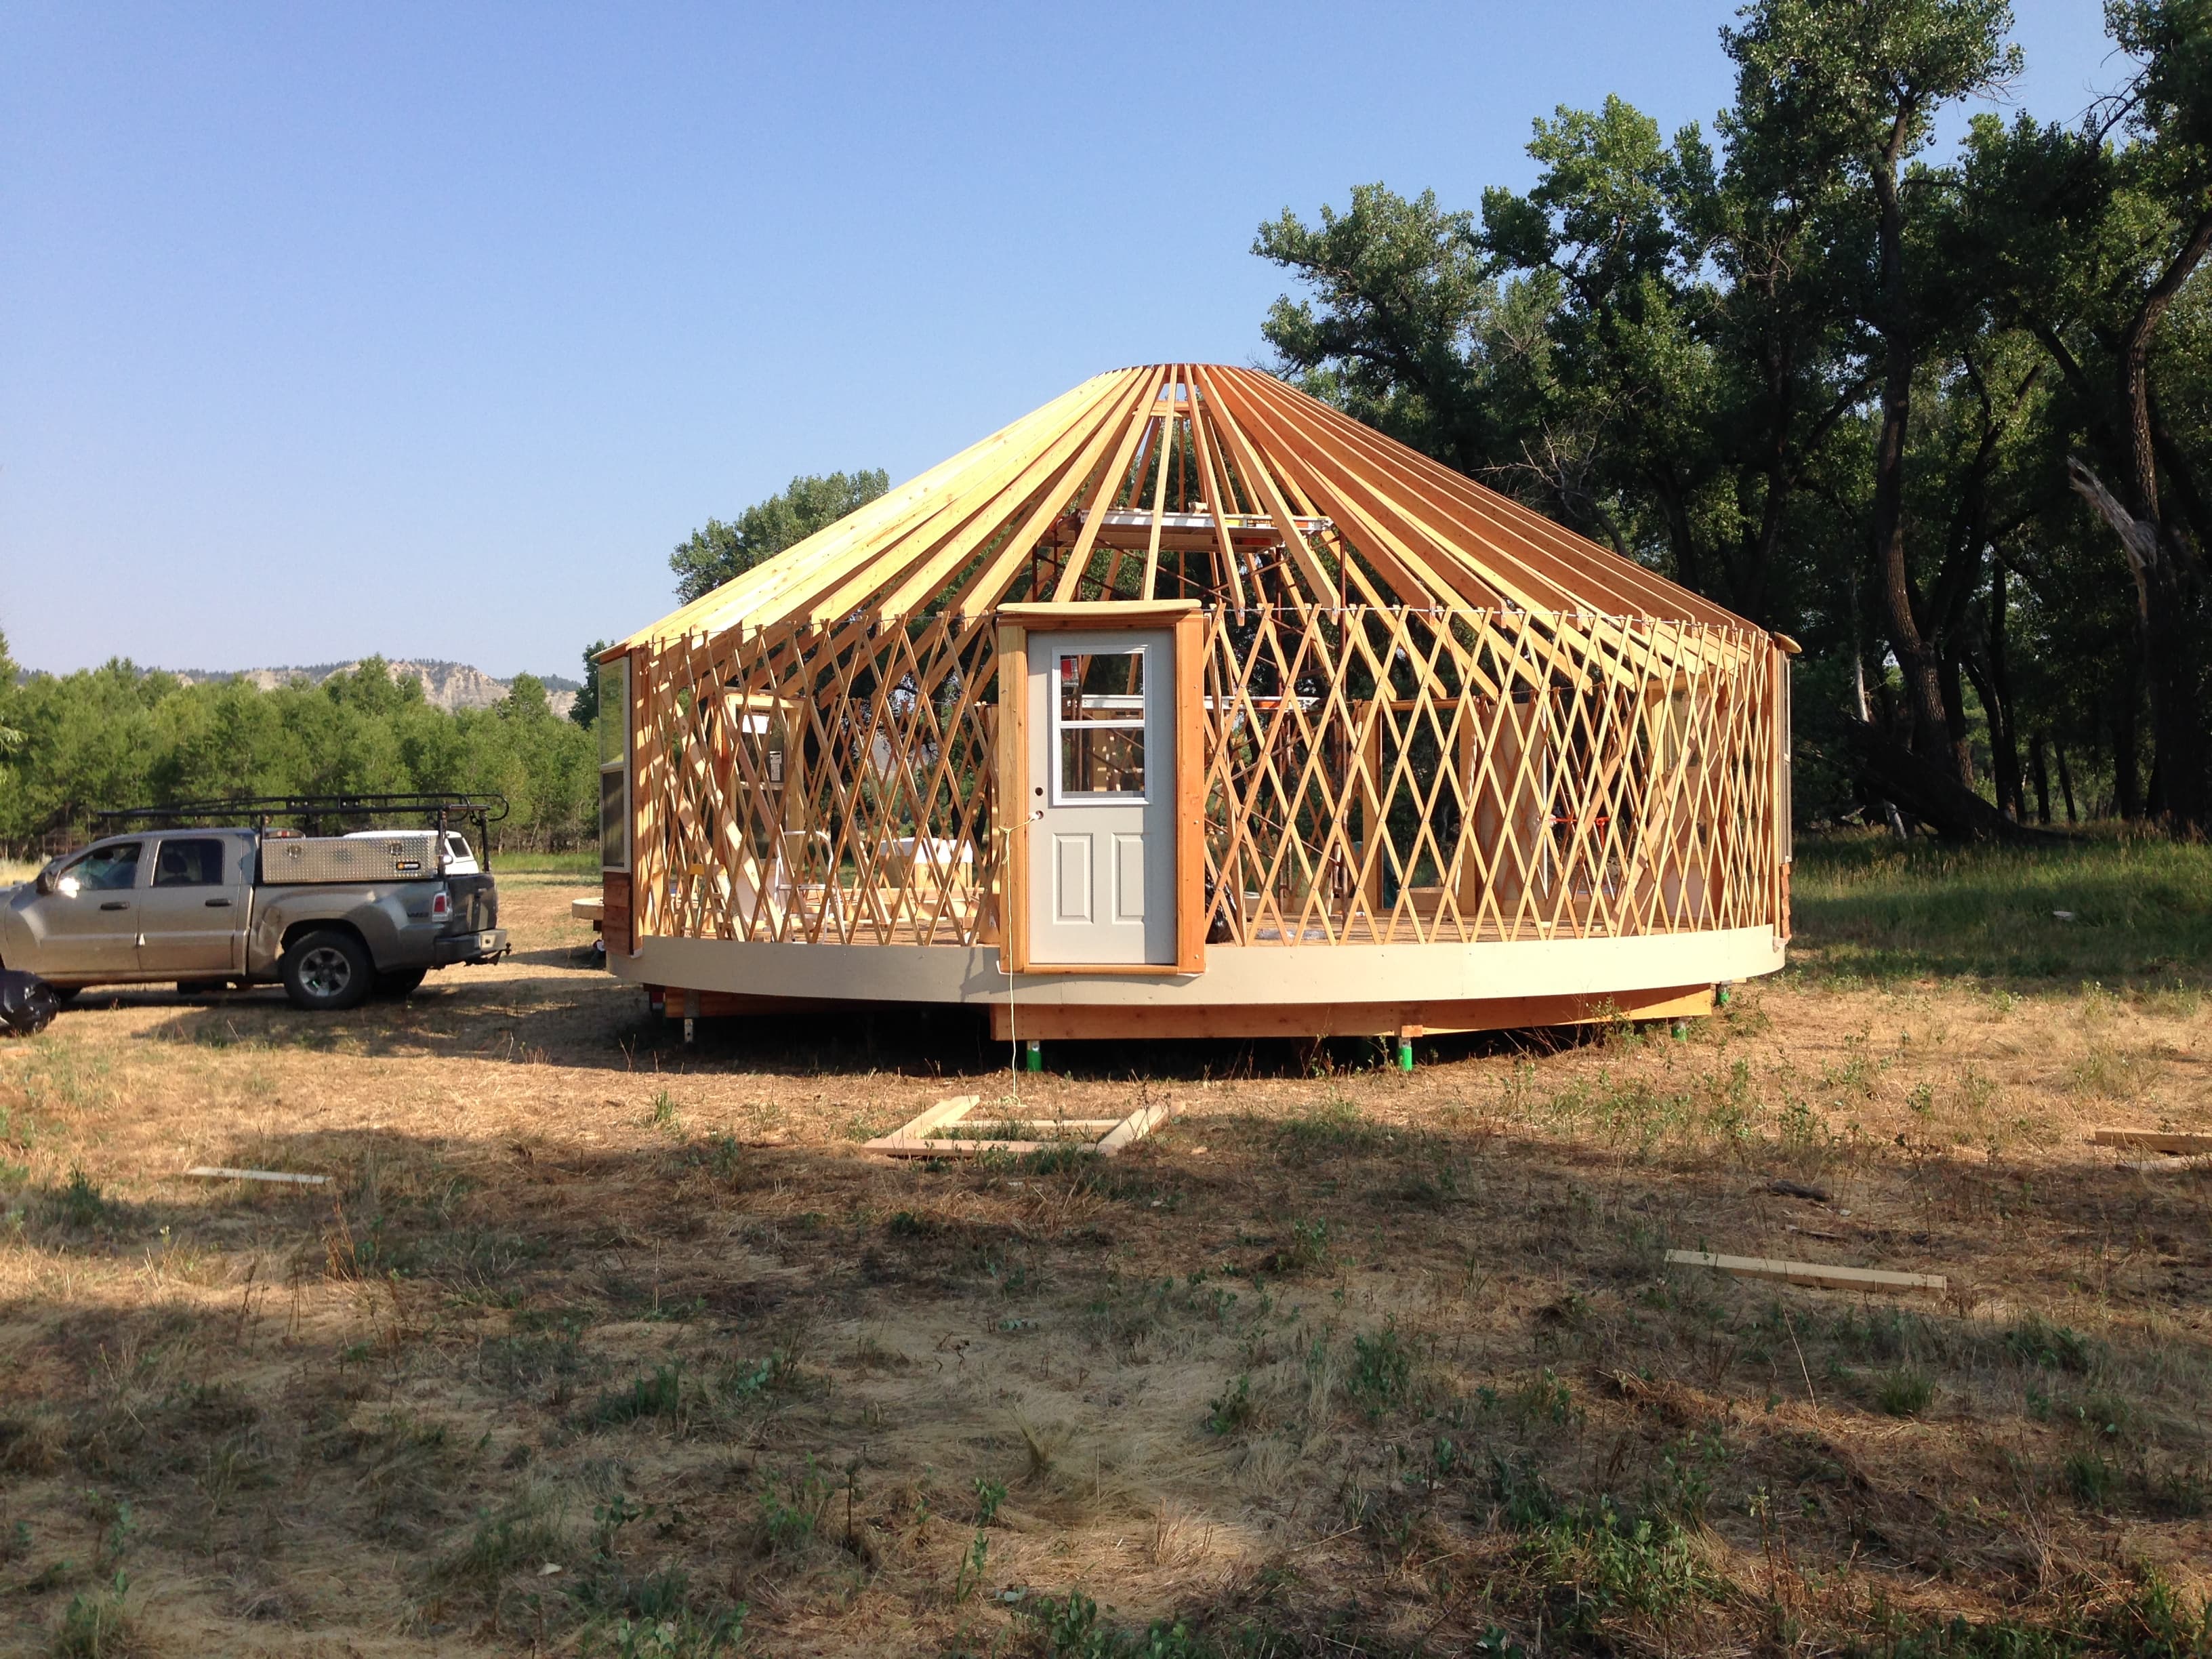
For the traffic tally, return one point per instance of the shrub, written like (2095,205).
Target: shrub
(1381,1370)
(1904,1393)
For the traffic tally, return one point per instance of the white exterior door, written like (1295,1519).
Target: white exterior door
(1102,768)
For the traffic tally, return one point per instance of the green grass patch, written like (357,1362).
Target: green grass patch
(2140,910)
(583,864)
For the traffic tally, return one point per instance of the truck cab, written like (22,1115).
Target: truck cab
(334,920)
(161,906)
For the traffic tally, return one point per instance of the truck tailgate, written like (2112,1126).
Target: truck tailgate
(476,903)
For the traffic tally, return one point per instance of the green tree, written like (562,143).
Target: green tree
(2093,240)
(11,739)
(1841,95)
(1405,333)
(585,710)
(524,699)
(720,552)
(118,736)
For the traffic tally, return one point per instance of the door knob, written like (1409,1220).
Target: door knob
(218,904)
(116,904)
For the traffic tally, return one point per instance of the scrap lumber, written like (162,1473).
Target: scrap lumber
(1809,1272)
(2152,1140)
(210,1172)
(1106,1136)
(1138,1124)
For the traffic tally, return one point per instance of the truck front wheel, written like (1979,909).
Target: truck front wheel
(328,970)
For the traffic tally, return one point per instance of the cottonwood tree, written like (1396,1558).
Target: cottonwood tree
(2092,236)
(1842,94)
(718,552)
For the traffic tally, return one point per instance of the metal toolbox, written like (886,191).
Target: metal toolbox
(402,855)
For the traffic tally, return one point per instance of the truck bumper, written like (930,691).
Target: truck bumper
(488,946)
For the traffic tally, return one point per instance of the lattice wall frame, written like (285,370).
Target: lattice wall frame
(1372,775)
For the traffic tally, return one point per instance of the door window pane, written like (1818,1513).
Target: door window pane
(108,869)
(1100,702)
(1102,686)
(195,863)
(1102,760)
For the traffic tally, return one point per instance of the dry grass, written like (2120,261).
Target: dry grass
(1342,1360)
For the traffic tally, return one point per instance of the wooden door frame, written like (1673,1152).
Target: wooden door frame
(1187,622)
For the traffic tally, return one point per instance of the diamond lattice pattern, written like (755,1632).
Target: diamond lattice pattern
(1372,776)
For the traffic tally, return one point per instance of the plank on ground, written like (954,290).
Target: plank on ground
(945,1111)
(2155,1140)
(1808,1273)
(912,1139)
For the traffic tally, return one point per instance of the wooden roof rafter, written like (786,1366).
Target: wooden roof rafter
(1296,506)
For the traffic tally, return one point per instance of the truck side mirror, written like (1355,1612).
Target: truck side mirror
(44,884)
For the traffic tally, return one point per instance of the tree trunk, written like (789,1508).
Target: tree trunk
(2004,735)
(2065,779)
(1954,718)
(1931,734)
(2041,773)
(2171,638)
(2127,794)
(1889,771)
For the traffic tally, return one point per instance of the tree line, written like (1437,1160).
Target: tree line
(119,735)
(1944,418)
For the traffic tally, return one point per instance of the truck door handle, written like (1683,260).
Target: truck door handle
(218,904)
(117,904)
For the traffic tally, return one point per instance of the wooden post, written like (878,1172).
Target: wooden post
(1013,818)
(1190,635)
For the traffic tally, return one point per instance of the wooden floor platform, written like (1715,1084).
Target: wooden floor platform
(1061,1022)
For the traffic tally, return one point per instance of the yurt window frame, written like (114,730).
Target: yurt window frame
(614,718)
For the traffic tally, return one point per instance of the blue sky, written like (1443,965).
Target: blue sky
(429,330)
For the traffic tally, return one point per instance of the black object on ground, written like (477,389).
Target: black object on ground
(27,1002)
(1796,1189)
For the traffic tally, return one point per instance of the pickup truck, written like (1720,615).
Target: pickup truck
(332,918)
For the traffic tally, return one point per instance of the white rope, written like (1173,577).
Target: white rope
(1013,1031)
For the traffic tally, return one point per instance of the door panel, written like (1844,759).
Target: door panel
(191,916)
(88,927)
(1129,878)
(1071,880)
(1101,762)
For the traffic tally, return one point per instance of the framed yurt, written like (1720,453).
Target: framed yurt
(1187,706)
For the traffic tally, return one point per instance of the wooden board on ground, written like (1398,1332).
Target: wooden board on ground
(209,1172)
(1809,1272)
(2155,1140)
(1105,1136)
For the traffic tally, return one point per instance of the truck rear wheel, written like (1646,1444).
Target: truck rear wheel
(396,983)
(328,970)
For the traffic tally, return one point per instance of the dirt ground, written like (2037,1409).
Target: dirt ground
(599,1343)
